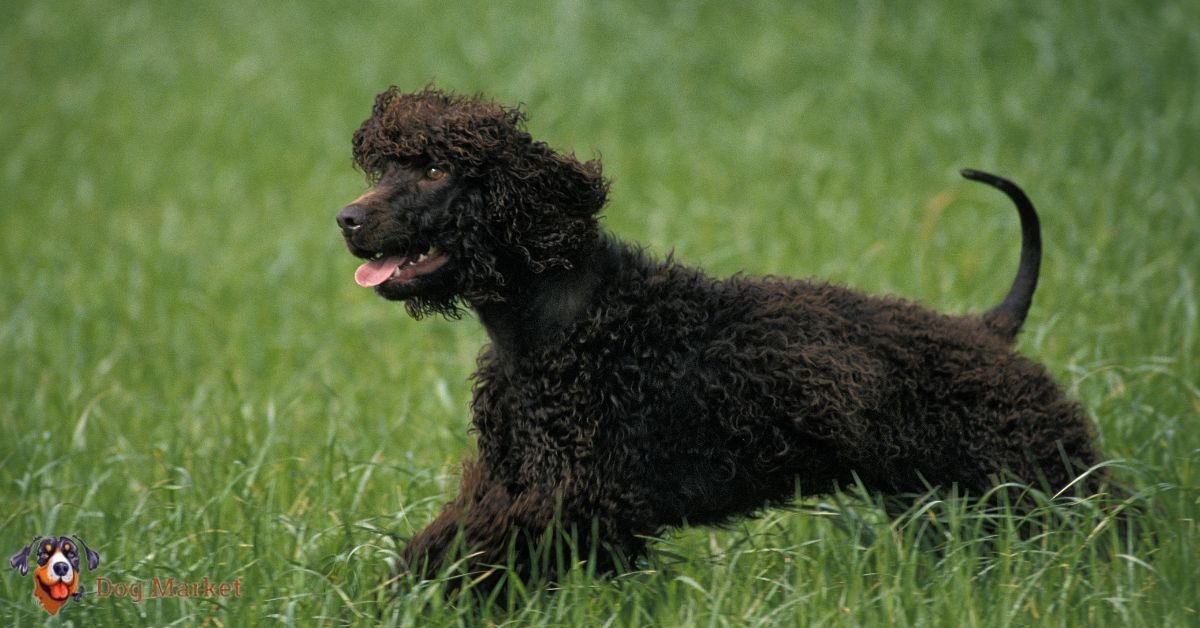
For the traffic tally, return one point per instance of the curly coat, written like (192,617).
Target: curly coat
(627,395)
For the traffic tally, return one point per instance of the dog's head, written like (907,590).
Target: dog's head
(462,202)
(56,577)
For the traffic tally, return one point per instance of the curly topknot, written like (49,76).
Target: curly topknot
(437,127)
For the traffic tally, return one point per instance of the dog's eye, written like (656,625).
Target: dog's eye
(435,174)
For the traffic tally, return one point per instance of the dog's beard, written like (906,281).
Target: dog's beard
(477,275)
(449,305)
(473,281)
(420,307)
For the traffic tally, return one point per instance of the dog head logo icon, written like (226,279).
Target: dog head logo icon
(56,576)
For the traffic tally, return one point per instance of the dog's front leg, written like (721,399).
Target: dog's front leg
(537,533)
(484,528)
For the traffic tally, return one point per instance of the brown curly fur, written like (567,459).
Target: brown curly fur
(625,395)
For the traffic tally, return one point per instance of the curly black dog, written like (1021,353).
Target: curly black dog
(625,395)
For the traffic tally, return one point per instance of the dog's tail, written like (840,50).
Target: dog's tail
(1006,319)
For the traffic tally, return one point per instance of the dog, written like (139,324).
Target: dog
(627,395)
(56,577)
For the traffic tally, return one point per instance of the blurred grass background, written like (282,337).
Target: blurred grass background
(195,385)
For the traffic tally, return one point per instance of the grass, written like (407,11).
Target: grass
(194,384)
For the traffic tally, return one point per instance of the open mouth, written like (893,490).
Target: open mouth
(58,591)
(383,268)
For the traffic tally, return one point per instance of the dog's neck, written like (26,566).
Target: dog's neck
(548,302)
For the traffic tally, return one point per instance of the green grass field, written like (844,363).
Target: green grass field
(193,383)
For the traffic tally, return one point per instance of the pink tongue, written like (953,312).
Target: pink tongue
(377,271)
(59,591)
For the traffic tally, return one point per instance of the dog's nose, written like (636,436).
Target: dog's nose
(351,218)
(61,569)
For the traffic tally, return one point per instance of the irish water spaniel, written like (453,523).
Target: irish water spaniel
(622,395)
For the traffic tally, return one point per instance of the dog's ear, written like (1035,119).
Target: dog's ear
(93,558)
(20,560)
(543,202)
(542,176)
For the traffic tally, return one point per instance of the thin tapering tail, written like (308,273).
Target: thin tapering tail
(1006,319)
